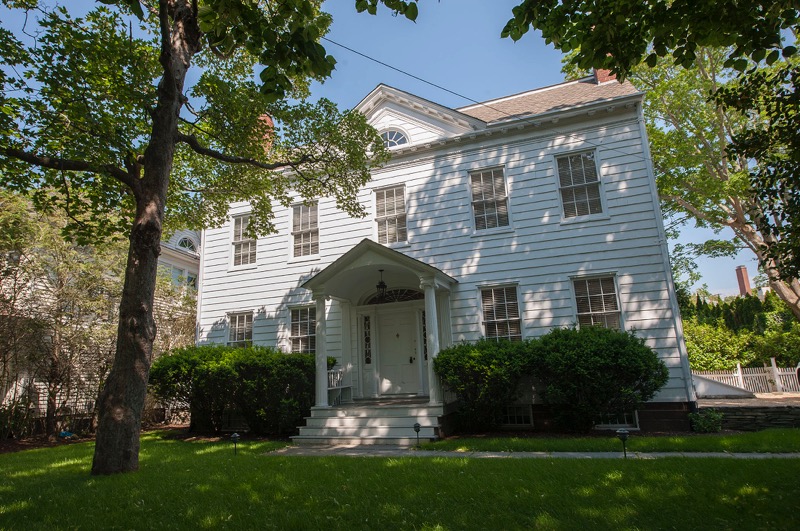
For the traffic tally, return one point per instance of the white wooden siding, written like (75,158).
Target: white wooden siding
(540,252)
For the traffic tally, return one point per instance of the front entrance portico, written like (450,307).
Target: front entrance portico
(388,341)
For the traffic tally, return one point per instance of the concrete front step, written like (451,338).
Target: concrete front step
(368,422)
(369,431)
(350,410)
(365,422)
(356,441)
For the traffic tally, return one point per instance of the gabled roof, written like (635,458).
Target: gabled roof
(563,96)
(346,275)
(383,93)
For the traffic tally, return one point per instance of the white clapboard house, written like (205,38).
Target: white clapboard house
(500,219)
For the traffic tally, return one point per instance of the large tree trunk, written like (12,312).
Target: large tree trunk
(122,398)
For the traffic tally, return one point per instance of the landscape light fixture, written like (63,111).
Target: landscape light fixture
(416,429)
(381,287)
(235,439)
(622,435)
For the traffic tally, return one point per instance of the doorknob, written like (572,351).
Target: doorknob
(411,359)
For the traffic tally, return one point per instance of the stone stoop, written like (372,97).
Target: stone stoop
(371,422)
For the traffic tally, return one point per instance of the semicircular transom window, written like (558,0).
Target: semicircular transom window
(397,295)
(393,137)
(186,243)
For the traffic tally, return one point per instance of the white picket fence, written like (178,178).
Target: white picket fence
(767,379)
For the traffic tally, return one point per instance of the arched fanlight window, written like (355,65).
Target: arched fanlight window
(397,295)
(188,244)
(393,137)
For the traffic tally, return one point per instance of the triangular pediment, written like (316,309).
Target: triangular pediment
(355,273)
(420,120)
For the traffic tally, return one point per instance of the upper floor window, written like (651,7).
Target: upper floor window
(597,302)
(305,230)
(501,317)
(241,329)
(181,277)
(489,199)
(244,247)
(393,137)
(390,210)
(188,244)
(580,187)
(303,333)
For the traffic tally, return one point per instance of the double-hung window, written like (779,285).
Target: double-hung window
(597,302)
(244,247)
(303,334)
(305,230)
(241,329)
(390,215)
(489,198)
(501,317)
(579,185)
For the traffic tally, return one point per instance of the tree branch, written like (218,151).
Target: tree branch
(54,163)
(192,142)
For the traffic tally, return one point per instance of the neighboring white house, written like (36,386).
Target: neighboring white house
(180,257)
(501,219)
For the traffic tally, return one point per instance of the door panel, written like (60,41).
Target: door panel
(398,358)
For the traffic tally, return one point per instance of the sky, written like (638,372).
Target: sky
(456,45)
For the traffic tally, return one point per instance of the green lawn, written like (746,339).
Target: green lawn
(187,485)
(770,441)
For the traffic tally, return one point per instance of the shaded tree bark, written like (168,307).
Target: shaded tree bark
(122,399)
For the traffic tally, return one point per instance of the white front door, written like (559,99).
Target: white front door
(399,365)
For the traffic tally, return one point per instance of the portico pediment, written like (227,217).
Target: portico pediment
(353,275)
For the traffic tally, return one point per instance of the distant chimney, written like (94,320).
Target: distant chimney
(744,280)
(603,76)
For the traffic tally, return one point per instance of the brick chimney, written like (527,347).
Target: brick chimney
(603,76)
(744,281)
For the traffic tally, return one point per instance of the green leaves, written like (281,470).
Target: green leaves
(620,34)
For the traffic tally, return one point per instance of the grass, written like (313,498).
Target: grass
(194,485)
(767,441)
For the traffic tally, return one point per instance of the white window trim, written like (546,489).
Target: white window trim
(506,229)
(289,335)
(308,257)
(229,316)
(374,193)
(574,302)
(604,215)
(401,131)
(231,246)
(520,306)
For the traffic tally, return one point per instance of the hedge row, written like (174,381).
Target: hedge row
(273,391)
(582,374)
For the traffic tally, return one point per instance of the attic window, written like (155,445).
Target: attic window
(186,243)
(393,137)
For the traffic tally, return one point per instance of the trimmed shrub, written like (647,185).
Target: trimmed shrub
(276,390)
(272,390)
(592,371)
(484,377)
(706,421)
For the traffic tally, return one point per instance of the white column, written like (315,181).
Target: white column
(321,352)
(432,327)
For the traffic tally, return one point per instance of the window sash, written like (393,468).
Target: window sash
(244,248)
(302,335)
(597,302)
(305,230)
(489,199)
(579,185)
(241,329)
(390,215)
(501,316)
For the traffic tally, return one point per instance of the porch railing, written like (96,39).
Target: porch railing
(767,379)
(338,390)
